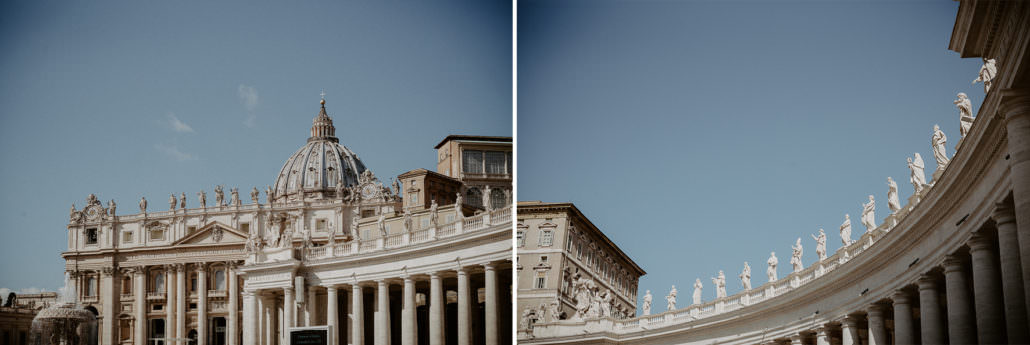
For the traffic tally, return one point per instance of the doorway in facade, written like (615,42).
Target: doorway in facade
(157,330)
(218,334)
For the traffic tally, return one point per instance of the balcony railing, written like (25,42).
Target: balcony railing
(158,295)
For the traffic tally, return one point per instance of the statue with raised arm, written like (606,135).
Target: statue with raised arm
(255,195)
(771,270)
(868,214)
(647,303)
(745,276)
(965,113)
(235,196)
(143,204)
(182,201)
(893,202)
(820,244)
(939,151)
(671,298)
(987,73)
(697,291)
(202,198)
(917,177)
(172,202)
(720,285)
(219,196)
(845,230)
(795,259)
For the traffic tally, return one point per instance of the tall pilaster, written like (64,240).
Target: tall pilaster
(109,298)
(931,318)
(408,313)
(357,331)
(332,315)
(904,326)
(180,301)
(961,324)
(310,319)
(202,304)
(1015,107)
(250,318)
(877,325)
(435,309)
(490,328)
(849,331)
(464,309)
(382,313)
(233,320)
(1011,274)
(289,307)
(139,291)
(170,301)
(990,318)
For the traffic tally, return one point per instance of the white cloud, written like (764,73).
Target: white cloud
(174,152)
(249,97)
(177,125)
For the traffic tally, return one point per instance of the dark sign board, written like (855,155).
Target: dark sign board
(309,337)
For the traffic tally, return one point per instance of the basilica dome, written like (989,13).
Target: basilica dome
(316,168)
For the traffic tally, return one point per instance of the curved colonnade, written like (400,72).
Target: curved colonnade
(952,269)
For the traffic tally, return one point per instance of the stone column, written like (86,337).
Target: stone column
(357,332)
(822,336)
(332,315)
(1011,274)
(250,318)
(202,305)
(464,309)
(110,296)
(309,307)
(139,289)
(1015,107)
(849,331)
(436,309)
(490,328)
(180,301)
(961,324)
(170,301)
(904,326)
(877,326)
(931,318)
(990,318)
(289,307)
(408,313)
(382,313)
(230,328)
(797,340)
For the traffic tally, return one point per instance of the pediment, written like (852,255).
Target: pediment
(548,225)
(213,233)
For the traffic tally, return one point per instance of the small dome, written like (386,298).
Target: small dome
(317,166)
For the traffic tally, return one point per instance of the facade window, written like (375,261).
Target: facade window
(541,280)
(413,197)
(546,237)
(320,225)
(543,258)
(91,286)
(472,162)
(91,236)
(568,244)
(245,227)
(220,280)
(127,237)
(497,199)
(495,162)
(159,282)
(193,282)
(521,237)
(157,234)
(191,229)
(509,166)
(474,197)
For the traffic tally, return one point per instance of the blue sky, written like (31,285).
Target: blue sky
(700,135)
(127,99)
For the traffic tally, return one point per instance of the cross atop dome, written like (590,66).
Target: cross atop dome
(323,96)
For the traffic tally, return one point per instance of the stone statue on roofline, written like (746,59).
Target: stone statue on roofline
(172,202)
(671,298)
(745,277)
(555,311)
(235,201)
(255,195)
(697,291)
(795,259)
(647,303)
(917,177)
(868,214)
(434,214)
(202,198)
(219,196)
(143,204)
(771,270)
(845,230)
(268,194)
(987,73)
(893,202)
(965,112)
(111,207)
(720,285)
(182,201)
(820,244)
(939,151)
(381,224)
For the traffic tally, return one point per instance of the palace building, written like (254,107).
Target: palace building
(331,250)
(950,266)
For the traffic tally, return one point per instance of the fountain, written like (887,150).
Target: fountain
(64,323)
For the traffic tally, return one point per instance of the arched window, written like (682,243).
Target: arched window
(497,199)
(473,197)
(220,280)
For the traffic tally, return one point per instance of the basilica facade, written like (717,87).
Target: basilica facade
(331,249)
(949,266)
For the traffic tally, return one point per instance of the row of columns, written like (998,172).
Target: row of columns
(260,307)
(983,300)
(176,302)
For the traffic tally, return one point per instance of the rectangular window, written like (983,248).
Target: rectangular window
(245,227)
(521,239)
(127,237)
(495,162)
(190,229)
(413,197)
(157,234)
(541,281)
(321,225)
(472,162)
(545,238)
(91,236)
(510,167)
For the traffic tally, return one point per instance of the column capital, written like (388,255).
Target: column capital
(288,290)
(954,263)
(1003,213)
(490,266)
(927,282)
(849,321)
(876,310)
(408,278)
(1014,103)
(979,242)
(108,271)
(901,297)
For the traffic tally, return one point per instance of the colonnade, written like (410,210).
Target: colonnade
(464,306)
(974,296)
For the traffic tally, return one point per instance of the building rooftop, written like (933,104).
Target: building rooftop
(479,138)
(527,206)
